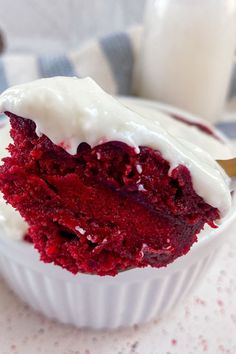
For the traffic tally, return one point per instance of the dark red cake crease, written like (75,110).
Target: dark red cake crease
(202,127)
(105,209)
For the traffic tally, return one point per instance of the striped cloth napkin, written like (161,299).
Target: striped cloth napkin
(109,60)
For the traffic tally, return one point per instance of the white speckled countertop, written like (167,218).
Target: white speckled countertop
(205,323)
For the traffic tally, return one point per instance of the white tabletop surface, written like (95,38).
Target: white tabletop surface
(205,323)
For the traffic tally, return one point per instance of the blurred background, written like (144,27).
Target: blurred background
(58,25)
(183,57)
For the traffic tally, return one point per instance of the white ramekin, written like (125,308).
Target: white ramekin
(132,297)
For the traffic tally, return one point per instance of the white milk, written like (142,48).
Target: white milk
(187,53)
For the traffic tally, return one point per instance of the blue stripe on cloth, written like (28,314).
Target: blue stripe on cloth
(232,89)
(59,65)
(228,128)
(119,53)
(2,116)
(3,77)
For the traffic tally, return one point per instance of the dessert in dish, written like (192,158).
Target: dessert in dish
(103,188)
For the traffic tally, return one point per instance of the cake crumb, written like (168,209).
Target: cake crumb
(220,303)
(173,342)
(200,301)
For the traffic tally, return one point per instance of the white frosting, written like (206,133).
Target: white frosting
(10,220)
(70,111)
(180,129)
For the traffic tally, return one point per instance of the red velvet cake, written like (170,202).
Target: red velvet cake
(104,209)
(103,187)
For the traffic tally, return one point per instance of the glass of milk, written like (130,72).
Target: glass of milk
(187,54)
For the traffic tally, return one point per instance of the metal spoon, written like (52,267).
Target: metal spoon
(229,166)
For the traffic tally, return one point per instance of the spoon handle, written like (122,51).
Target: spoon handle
(229,166)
